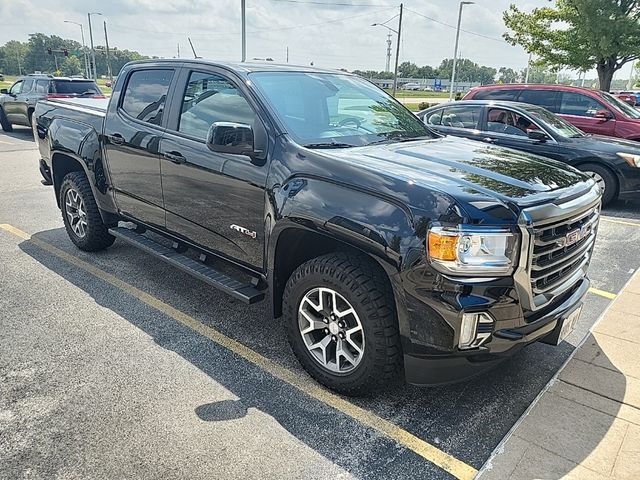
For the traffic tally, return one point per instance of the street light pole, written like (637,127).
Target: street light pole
(244,30)
(94,74)
(106,45)
(84,47)
(455,50)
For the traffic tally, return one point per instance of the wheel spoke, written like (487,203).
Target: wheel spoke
(322,346)
(313,324)
(342,351)
(349,334)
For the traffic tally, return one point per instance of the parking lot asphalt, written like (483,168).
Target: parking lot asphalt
(114,365)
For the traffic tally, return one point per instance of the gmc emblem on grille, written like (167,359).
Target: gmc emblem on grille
(574,236)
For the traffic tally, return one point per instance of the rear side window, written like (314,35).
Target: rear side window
(542,98)
(579,105)
(42,86)
(75,87)
(146,94)
(466,116)
(499,94)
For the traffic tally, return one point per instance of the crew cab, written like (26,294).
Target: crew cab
(386,249)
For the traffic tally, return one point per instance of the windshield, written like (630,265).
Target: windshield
(553,122)
(77,87)
(333,110)
(627,109)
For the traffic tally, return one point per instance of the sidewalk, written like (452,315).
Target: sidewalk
(586,425)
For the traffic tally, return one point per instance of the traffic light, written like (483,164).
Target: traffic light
(49,51)
(65,52)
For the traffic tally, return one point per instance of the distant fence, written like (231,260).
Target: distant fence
(434,83)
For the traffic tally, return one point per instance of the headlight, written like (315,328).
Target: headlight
(631,159)
(472,250)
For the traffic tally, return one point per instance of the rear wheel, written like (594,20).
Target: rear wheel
(81,215)
(604,178)
(341,323)
(4,122)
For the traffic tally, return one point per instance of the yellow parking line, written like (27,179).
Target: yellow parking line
(7,143)
(603,293)
(455,467)
(621,222)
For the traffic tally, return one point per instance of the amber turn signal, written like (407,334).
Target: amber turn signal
(443,247)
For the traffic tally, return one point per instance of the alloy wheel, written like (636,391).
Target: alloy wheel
(76,213)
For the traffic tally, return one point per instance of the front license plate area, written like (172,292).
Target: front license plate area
(564,327)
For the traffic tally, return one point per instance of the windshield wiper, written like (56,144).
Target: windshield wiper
(329,145)
(399,139)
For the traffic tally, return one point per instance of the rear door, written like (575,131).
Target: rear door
(458,120)
(580,109)
(133,127)
(214,200)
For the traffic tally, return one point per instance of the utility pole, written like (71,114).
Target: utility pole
(106,44)
(244,30)
(630,83)
(395,70)
(287,54)
(455,50)
(526,77)
(178,50)
(94,74)
(55,58)
(387,67)
(18,59)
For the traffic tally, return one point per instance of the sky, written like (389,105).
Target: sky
(336,35)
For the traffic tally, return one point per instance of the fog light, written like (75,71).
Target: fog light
(475,329)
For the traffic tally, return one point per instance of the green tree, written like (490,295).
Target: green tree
(71,65)
(507,75)
(12,57)
(579,34)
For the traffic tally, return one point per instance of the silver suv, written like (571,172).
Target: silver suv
(18,102)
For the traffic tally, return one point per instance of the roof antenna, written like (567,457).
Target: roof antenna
(195,55)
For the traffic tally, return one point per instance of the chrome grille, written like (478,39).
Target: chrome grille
(561,249)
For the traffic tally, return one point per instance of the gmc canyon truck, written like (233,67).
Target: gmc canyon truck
(388,250)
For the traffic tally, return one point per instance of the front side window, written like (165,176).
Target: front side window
(553,122)
(16,88)
(579,105)
(466,116)
(500,120)
(325,109)
(211,98)
(146,93)
(625,107)
(27,85)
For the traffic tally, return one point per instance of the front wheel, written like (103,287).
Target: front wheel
(605,179)
(341,323)
(4,122)
(81,215)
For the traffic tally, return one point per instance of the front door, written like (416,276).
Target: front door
(15,106)
(214,200)
(580,110)
(133,128)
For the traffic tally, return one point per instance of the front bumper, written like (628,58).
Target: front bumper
(505,341)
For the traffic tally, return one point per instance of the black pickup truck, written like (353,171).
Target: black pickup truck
(386,248)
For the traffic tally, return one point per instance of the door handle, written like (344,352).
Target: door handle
(175,157)
(116,139)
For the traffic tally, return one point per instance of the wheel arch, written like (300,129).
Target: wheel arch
(601,164)
(61,165)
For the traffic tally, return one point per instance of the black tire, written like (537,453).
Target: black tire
(610,180)
(363,284)
(96,233)
(4,122)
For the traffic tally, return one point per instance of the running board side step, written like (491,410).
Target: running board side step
(246,293)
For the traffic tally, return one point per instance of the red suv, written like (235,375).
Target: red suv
(590,110)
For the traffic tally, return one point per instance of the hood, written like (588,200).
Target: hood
(602,144)
(466,168)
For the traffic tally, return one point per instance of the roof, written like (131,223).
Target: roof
(527,86)
(244,67)
(499,103)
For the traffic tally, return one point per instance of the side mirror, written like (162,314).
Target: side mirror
(4,91)
(604,114)
(230,137)
(538,135)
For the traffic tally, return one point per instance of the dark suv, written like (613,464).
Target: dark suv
(19,101)
(590,110)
